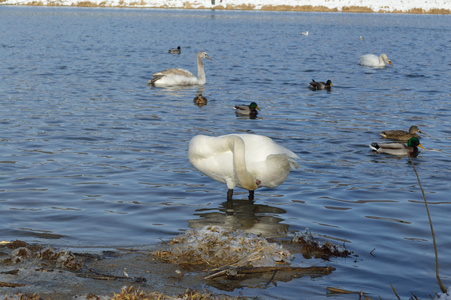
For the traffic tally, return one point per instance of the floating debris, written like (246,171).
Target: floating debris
(136,294)
(311,248)
(215,247)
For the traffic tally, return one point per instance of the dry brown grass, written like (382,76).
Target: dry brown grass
(132,293)
(298,8)
(357,9)
(305,8)
(439,11)
(86,4)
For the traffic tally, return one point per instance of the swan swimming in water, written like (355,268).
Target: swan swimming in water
(371,60)
(248,161)
(176,76)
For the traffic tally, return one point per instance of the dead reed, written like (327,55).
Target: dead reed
(440,283)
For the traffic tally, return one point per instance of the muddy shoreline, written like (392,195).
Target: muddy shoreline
(33,271)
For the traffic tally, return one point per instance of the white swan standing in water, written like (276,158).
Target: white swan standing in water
(176,76)
(371,60)
(248,161)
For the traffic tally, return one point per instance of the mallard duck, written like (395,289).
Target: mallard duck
(401,134)
(398,148)
(250,109)
(371,60)
(320,85)
(248,161)
(177,76)
(175,51)
(200,100)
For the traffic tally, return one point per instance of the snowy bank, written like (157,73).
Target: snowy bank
(381,6)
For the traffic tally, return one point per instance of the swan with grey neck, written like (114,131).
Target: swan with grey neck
(176,76)
(247,161)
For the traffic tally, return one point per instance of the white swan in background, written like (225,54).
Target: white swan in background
(305,33)
(248,161)
(371,60)
(177,76)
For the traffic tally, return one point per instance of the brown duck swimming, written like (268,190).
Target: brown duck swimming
(401,134)
(200,100)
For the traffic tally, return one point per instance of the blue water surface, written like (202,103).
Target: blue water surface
(93,157)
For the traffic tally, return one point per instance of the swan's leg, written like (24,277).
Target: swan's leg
(229,194)
(251,195)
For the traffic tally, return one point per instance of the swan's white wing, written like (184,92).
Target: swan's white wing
(267,163)
(174,72)
(259,147)
(212,158)
(173,76)
(370,60)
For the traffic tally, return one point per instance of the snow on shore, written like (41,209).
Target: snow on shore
(401,6)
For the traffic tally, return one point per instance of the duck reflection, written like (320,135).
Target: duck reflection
(243,215)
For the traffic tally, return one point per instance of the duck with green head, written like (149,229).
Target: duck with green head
(398,148)
(314,85)
(250,109)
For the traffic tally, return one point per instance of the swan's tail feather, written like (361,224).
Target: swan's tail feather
(154,79)
(293,164)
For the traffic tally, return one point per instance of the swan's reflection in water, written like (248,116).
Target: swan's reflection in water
(243,215)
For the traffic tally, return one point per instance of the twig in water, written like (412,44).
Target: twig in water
(393,288)
(371,252)
(440,283)
(272,277)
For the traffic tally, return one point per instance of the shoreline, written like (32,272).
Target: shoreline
(247,7)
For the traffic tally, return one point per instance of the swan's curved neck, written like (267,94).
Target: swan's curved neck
(201,71)
(245,179)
